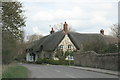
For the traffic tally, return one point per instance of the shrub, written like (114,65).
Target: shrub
(45,60)
(66,62)
(39,61)
(54,62)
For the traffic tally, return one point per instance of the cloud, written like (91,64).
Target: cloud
(37,30)
(48,15)
(82,15)
(72,1)
(99,17)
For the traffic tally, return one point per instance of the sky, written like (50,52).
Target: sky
(84,16)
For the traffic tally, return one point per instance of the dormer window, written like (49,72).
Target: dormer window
(69,46)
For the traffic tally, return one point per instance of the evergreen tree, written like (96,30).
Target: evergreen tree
(13,21)
(12,18)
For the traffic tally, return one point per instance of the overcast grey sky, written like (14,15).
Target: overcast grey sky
(85,16)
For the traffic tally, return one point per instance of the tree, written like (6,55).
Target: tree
(59,27)
(34,37)
(61,55)
(8,47)
(12,23)
(114,30)
(12,18)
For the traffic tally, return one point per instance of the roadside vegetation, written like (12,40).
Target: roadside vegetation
(13,43)
(15,71)
(13,22)
(61,56)
(54,62)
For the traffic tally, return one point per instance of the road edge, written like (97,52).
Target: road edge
(97,70)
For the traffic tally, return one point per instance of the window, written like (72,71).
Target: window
(69,46)
(61,46)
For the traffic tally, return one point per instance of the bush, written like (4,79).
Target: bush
(42,61)
(45,60)
(54,62)
(66,62)
(39,61)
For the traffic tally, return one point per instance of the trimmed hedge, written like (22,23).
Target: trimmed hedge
(54,62)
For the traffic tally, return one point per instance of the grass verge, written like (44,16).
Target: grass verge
(16,71)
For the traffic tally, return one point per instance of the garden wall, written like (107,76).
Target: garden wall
(92,59)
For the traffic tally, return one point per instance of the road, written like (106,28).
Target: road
(58,71)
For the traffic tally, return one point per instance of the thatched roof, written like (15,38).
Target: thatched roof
(78,38)
(50,42)
(110,39)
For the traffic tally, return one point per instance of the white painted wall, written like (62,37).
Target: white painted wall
(65,42)
(36,57)
(30,58)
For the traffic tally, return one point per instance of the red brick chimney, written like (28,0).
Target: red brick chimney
(65,27)
(102,31)
(52,31)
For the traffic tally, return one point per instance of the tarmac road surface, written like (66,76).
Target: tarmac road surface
(59,71)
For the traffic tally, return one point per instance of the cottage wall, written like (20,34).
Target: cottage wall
(92,59)
(29,58)
(65,42)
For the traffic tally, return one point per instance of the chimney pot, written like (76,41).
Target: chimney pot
(102,31)
(52,31)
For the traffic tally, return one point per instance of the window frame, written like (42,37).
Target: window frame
(69,46)
(61,47)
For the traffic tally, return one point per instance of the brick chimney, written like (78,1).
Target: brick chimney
(102,31)
(65,27)
(52,31)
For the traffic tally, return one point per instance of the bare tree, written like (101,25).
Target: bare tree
(34,37)
(114,30)
(59,27)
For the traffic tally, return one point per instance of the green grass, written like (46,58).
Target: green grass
(16,71)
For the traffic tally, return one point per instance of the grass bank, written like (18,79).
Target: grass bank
(15,71)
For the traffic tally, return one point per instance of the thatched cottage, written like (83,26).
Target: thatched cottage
(64,40)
